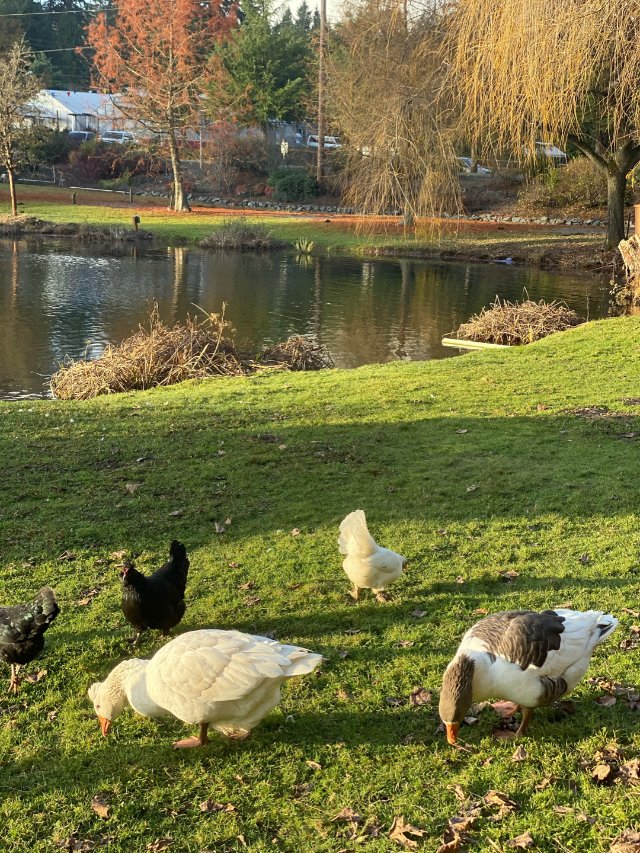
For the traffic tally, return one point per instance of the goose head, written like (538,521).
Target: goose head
(456,695)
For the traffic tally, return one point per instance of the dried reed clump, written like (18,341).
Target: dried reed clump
(513,323)
(297,353)
(239,235)
(154,355)
(158,355)
(16,227)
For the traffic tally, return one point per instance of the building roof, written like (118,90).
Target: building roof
(73,103)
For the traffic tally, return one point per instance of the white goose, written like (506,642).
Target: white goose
(528,658)
(367,565)
(225,679)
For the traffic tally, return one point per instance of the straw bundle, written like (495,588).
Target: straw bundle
(297,353)
(513,323)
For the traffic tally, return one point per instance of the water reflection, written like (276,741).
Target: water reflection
(58,300)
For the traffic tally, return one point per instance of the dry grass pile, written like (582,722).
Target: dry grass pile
(159,355)
(297,353)
(154,355)
(239,235)
(514,323)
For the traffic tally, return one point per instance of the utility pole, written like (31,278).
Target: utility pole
(321,90)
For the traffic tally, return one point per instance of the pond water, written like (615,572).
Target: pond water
(58,300)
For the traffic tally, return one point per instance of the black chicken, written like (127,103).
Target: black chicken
(22,630)
(156,601)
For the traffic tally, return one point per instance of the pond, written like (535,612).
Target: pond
(59,300)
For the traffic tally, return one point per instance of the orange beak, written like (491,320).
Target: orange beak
(452,732)
(105,725)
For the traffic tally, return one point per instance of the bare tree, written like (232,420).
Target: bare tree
(386,77)
(553,71)
(17,87)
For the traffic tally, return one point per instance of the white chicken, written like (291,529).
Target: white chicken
(367,565)
(225,679)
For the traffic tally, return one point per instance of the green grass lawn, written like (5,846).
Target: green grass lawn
(551,246)
(556,499)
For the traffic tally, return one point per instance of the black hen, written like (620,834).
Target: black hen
(156,601)
(22,630)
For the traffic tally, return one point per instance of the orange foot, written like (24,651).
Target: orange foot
(188,743)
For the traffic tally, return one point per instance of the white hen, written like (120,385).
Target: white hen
(367,565)
(225,679)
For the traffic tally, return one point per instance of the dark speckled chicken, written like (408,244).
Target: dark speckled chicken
(156,601)
(22,630)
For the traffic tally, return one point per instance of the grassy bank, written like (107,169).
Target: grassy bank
(470,467)
(540,245)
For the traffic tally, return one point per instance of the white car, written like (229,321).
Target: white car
(330,142)
(117,137)
(466,164)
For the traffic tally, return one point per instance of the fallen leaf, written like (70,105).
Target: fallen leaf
(419,696)
(176,513)
(100,806)
(209,806)
(497,798)
(395,701)
(132,488)
(525,840)
(451,841)
(400,832)
(627,842)
(460,579)
(480,611)
(463,823)
(38,676)
(66,556)
(606,701)
(403,644)
(630,770)
(603,774)
(520,754)
(252,600)
(563,810)
(247,585)
(509,576)
(544,783)
(160,844)
(219,528)
(118,555)
(472,488)
(634,613)
(504,708)
(314,765)
(462,431)
(233,565)
(228,520)
(344,694)
(418,614)
(348,816)
(295,531)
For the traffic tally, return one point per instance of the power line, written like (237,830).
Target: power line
(60,12)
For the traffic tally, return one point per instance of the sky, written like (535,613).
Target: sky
(333,6)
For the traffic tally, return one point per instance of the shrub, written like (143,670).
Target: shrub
(580,183)
(94,162)
(241,236)
(292,184)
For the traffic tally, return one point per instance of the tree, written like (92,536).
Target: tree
(385,82)
(158,53)
(553,71)
(17,87)
(268,66)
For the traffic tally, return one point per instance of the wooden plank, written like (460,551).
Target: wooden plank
(460,344)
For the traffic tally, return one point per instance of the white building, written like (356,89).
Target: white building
(63,110)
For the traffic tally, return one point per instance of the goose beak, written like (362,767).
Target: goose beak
(452,732)
(105,725)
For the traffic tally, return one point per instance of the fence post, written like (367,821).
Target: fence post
(130,196)
(73,198)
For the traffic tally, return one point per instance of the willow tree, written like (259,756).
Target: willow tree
(562,70)
(385,95)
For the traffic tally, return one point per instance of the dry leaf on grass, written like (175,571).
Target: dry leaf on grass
(314,765)
(38,676)
(419,696)
(295,531)
(347,815)
(88,595)
(460,579)
(219,528)
(462,431)
(403,644)
(604,774)
(233,565)
(418,614)
(509,576)
(627,842)
(451,841)
(176,513)
(77,845)
(100,806)
(520,754)
(159,845)
(209,806)
(132,488)
(66,557)
(472,488)
(523,841)
(247,585)
(252,600)
(400,832)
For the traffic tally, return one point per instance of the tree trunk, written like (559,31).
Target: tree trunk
(12,191)
(179,200)
(616,186)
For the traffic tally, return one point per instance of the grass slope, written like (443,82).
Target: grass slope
(277,452)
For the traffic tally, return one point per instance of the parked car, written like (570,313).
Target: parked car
(80,136)
(547,149)
(466,164)
(330,142)
(117,137)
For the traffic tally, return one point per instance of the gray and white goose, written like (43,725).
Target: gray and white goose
(528,658)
